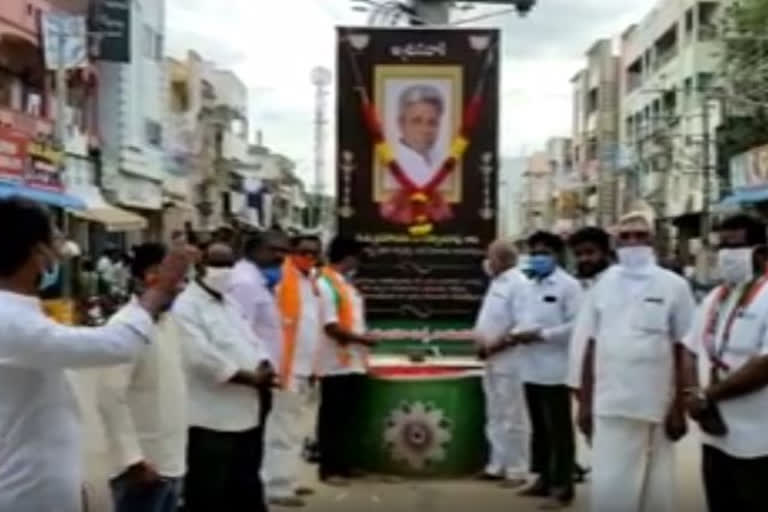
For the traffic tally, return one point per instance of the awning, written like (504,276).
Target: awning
(745,195)
(41,196)
(114,219)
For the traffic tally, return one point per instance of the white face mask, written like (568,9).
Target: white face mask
(217,278)
(635,256)
(735,265)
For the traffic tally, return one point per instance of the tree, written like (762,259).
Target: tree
(745,54)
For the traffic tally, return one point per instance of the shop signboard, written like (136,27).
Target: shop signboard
(13,154)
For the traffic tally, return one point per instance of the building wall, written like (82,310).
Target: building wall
(595,130)
(662,114)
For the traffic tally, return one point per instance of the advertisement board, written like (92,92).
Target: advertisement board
(417,162)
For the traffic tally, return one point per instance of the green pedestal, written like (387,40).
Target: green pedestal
(423,420)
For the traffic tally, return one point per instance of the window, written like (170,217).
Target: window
(705,81)
(688,22)
(592,100)
(148,42)
(152,43)
(707,21)
(154,133)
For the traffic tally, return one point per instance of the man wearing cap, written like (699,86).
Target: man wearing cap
(636,315)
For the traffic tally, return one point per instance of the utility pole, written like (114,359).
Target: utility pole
(705,225)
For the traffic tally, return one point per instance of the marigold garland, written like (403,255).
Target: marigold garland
(422,198)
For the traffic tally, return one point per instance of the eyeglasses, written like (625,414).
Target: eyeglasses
(634,236)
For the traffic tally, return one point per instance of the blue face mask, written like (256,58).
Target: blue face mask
(272,275)
(50,276)
(542,264)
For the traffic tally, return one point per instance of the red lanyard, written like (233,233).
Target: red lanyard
(710,333)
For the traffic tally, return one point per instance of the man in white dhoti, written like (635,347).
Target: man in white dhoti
(637,315)
(40,452)
(505,405)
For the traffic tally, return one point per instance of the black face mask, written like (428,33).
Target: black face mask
(589,270)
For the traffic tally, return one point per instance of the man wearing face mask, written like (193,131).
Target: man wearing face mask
(143,408)
(298,299)
(40,452)
(342,360)
(729,347)
(544,332)
(499,315)
(636,315)
(226,366)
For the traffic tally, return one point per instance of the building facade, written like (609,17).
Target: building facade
(538,198)
(669,115)
(132,114)
(595,132)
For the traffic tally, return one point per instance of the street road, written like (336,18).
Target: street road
(373,495)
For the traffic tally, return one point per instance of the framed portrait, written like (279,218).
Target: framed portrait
(420,107)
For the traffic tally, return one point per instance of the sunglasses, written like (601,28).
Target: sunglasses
(629,236)
(220,264)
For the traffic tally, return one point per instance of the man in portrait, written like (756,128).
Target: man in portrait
(420,110)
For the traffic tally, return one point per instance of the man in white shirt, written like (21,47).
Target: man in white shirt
(343,360)
(593,255)
(252,286)
(504,402)
(551,306)
(40,447)
(226,365)
(298,300)
(729,341)
(637,315)
(143,408)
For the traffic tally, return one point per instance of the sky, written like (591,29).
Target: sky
(273,45)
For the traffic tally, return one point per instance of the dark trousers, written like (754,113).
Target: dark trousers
(733,484)
(340,397)
(552,440)
(223,468)
(161,496)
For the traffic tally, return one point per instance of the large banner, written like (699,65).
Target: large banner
(417,165)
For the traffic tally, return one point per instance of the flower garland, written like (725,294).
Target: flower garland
(424,203)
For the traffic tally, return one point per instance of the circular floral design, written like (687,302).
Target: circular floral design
(417,434)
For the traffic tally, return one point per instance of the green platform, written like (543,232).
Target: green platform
(424,419)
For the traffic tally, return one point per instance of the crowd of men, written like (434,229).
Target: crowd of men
(207,376)
(203,375)
(640,357)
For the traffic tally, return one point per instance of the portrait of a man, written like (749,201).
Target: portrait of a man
(419,116)
(420,109)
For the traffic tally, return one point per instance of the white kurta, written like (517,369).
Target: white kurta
(505,406)
(143,405)
(40,442)
(292,415)
(635,318)
(747,415)
(328,360)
